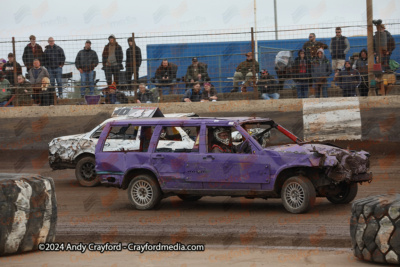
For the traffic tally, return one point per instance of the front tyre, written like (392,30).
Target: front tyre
(144,192)
(298,194)
(348,193)
(85,172)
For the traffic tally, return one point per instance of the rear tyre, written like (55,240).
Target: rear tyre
(189,198)
(298,194)
(347,194)
(85,172)
(144,192)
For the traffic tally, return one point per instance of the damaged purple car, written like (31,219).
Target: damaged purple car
(238,157)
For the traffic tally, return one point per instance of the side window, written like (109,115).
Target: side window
(97,133)
(178,139)
(124,138)
(225,139)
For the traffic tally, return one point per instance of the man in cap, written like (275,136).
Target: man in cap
(311,47)
(8,69)
(196,72)
(112,60)
(86,61)
(54,60)
(339,47)
(245,71)
(31,51)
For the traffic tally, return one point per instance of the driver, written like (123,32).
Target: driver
(222,142)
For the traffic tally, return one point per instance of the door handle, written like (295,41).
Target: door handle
(158,157)
(209,157)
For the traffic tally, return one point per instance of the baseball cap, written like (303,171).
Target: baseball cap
(194,59)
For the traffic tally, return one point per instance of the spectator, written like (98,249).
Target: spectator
(244,72)
(384,44)
(47,95)
(301,73)
(32,51)
(129,62)
(339,46)
(36,75)
(5,91)
(144,95)
(86,61)
(194,94)
(196,72)
(362,66)
(23,92)
(8,68)
(348,80)
(112,60)
(166,74)
(54,60)
(111,93)
(268,86)
(353,59)
(312,46)
(320,70)
(209,93)
(2,62)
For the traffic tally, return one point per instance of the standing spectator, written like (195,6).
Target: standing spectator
(23,92)
(301,74)
(5,91)
(268,86)
(244,72)
(209,93)
(362,66)
(384,44)
(144,95)
(320,70)
(129,62)
(54,59)
(196,72)
(8,68)
(2,62)
(86,61)
(348,80)
(112,60)
(312,46)
(32,51)
(36,75)
(194,94)
(166,74)
(339,47)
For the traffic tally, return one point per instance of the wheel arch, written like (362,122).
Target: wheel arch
(82,155)
(130,174)
(311,173)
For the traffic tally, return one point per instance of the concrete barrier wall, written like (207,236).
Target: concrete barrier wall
(372,118)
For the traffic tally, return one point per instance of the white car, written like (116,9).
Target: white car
(77,151)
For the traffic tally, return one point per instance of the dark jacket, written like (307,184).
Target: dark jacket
(170,71)
(339,47)
(247,66)
(311,48)
(21,97)
(348,80)
(362,64)
(54,57)
(8,70)
(87,60)
(206,95)
(29,56)
(194,97)
(119,55)
(267,85)
(201,70)
(320,68)
(146,96)
(301,69)
(129,57)
(387,44)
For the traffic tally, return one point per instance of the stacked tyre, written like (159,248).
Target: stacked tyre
(375,228)
(28,212)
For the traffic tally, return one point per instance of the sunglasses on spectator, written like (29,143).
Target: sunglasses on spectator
(310,37)
(338,32)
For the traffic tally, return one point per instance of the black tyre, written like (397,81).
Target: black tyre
(28,212)
(189,198)
(144,192)
(298,194)
(85,172)
(347,194)
(375,228)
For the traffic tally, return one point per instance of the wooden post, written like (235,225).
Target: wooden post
(14,63)
(255,89)
(134,67)
(370,43)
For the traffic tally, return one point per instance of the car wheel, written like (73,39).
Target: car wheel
(144,192)
(348,193)
(85,172)
(298,194)
(189,197)
(375,228)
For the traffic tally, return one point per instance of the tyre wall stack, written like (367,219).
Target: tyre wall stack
(28,212)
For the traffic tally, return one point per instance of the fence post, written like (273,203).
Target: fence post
(255,89)
(14,63)
(134,67)
(370,42)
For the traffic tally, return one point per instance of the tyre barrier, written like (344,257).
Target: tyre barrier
(28,212)
(375,228)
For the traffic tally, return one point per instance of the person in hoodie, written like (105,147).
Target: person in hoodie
(348,80)
(8,69)
(112,60)
(362,66)
(320,71)
(384,44)
(31,52)
(54,60)
(301,74)
(86,61)
(129,62)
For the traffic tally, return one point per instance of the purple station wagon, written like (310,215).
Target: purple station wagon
(238,157)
